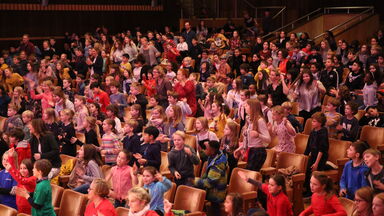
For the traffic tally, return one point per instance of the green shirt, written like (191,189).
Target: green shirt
(43,196)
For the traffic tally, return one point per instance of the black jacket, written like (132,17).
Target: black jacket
(49,149)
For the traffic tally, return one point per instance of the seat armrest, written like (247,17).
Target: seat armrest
(249,195)
(63,180)
(380,147)
(190,132)
(268,171)
(196,213)
(298,177)
(342,162)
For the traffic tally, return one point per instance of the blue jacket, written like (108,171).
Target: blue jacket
(157,190)
(353,178)
(7,182)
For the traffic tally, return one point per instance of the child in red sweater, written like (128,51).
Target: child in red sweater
(22,147)
(324,201)
(277,200)
(24,178)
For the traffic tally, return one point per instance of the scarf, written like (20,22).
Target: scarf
(140,213)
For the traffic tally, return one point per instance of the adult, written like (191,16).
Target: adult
(79,65)
(186,89)
(308,93)
(149,52)
(26,45)
(95,62)
(129,47)
(44,146)
(98,199)
(188,34)
(162,85)
(275,91)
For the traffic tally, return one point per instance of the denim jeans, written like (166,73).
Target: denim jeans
(82,189)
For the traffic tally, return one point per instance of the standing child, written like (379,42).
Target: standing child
(41,198)
(181,160)
(27,117)
(123,178)
(117,98)
(278,203)
(241,114)
(291,118)
(149,153)
(282,128)
(185,108)
(353,176)
(13,120)
(136,97)
(369,91)
(333,117)
(110,145)
(230,142)
(131,141)
(112,113)
(46,96)
(66,132)
(7,183)
(157,186)
(323,201)
(81,112)
(135,114)
(49,118)
(375,174)
(219,119)
(203,136)
(157,118)
(349,125)
(21,146)
(89,126)
(173,123)
(25,179)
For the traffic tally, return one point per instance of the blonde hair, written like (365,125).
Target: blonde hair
(180,134)
(140,193)
(28,113)
(160,109)
(287,105)
(101,187)
(15,157)
(204,122)
(177,116)
(160,70)
(91,121)
(68,112)
(51,114)
(278,109)
(235,129)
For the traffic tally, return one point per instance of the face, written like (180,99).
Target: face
(5,160)
(155,114)
(330,107)
(306,78)
(348,110)
(251,89)
(121,159)
(360,204)
(370,159)
(316,124)
(180,76)
(198,125)
(227,131)
(351,152)
(178,141)
(63,117)
(106,126)
(7,72)
(328,63)
(272,76)
(377,206)
(26,119)
(11,112)
(37,173)
(373,112)
(265,45)
(135,205)
(273,188)
(215,108)
(315,185)
(146,138)
(81,152)
(171,113)
(228,206)
(24,170)
(134,112)
(276,116)
(247,108)
(148,178)
(91,192)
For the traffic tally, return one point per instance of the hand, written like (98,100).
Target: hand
(134,169)
(343,192)
(10,151)
(188,151)
(378,184)
(10,125)
(159,177)
(103,152)
(314,167)
(79,172)
(142,161)
(242,175)
(59,137)
(269,125)
(177,175)
(282,77)
(285,121)
(37,156)
(73,140)
(22,192)
(167,206)
(254,134)
(137,156)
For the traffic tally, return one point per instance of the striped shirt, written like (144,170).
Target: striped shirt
(110,143)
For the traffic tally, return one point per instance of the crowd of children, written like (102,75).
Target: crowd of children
(124,102)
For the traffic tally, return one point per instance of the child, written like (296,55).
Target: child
(112,113)
(49,118)
(67,88)
(138,201)
(17,142)
(14,120)
(95,111)
(233,97)
(7,183)
(149,153)
(157,118)
(173,123)
(27,117)
(369,90)
(181,160)
(81,112)
(123,178)
(117,98)
(372,117)
(317,146)
(25,179)
(152,102)
(378,205)
(86,169)
(46,96)
(291,118)
(131,141)
(203,136)
(135,114)
(262,82)
(333,117)
(173,100)
(110,144)
(219,119)
(41,198)
(149,84)
(323,200)
(349,125)
(375,174)
(278,203)
(137,98)
(210,85)
(229,143)
(282,128)
(241,114)
(18,99)
(91,136)
(99,96)
(66,132)
(128,80)
(353,176)
(267,113)
(157,186)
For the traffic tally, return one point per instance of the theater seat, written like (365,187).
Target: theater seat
(308,126)
(106,170)
(122,211)
(295,108)
(57,193)
(190,140)
(359,114)
(164,165)
(300,119)
(189,198)
(80,137)
(190,125)
(64,179)
(7,211)
(301,141)
(2,121)
(72,203)
(348,205)
(247,191)
(374,136)
(170,194)
(23,214)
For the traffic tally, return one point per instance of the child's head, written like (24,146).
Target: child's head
(212,148)
(112,110)
(332,104)
(216,107)
(153,101)
(158,112)
(94,107)
(12,110)
(123,158)
(174,114)
(244,68)
(278,113)
(135,88)
(90,122)
(201,124)
(245,94)
(41,168)
(109,125)
(68,81)
(351,108)
(138,198)
(372,111)
(372,157)
(66,115)
(26,167)
(363,200)
(276,184)
(318,120)
(287,107)
(27,116)
(79,100)
(109,80)
(178,139)
(16,135)
(150,134)
(357,149)
(231,129)
(263,99)
(135,111)
(233,204)
(18,91)
(149,174)
(378,205)
(321,183)
(49,115)
(6,155)
(130,126)
(211,81)
(172,97)
(98,189)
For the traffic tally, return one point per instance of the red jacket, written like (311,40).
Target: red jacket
(102,98)
(321,206)
(29,183)
(188,91)
(278,205)
(23,150)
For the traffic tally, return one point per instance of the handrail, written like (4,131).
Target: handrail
(278,13)
(327,9)
(344,23)
(293,22)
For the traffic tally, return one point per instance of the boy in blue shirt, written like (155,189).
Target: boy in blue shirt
(7,184)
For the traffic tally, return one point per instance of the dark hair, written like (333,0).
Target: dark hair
(18,133)
(237,203)
(280,181)
(214,144)
(325,180)
(244,66)
(95,85)
(28,163)
(354,106)
(320,117)
(128,154)
(152,131)
(90,153)
(113,108)
(126,55)
(360,147)
(44,166)
(151,170)
(39,126)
